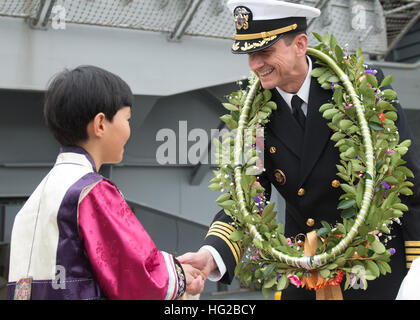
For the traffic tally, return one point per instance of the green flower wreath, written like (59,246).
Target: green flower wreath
(362,119)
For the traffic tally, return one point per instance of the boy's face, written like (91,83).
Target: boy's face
(116,135)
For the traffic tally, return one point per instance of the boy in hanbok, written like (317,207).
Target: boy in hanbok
(76,237)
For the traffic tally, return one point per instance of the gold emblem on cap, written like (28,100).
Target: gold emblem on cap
(241,17)
(235,46)
(273,150)
(280,176)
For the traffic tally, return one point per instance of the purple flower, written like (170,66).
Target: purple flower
(386,185)
(258,201)
(352,276)
(374,72)
(378,96)
(389,151)
(348,106)
(392,251)
(332,85)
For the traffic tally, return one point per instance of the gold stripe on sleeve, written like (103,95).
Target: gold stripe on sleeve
(230,227)
(228,242)
(412,243)
(227,234)
(224,224)
(412,250)
(411,258)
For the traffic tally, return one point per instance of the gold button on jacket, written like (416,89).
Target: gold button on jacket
(335,184)
(310,222)
(301,192)
(280,176)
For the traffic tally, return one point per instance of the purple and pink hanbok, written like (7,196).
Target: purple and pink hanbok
(77,238)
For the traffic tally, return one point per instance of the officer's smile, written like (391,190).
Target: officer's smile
(265,73)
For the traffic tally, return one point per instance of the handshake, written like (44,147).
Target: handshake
(197,266)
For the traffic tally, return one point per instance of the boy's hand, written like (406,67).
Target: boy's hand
(194,278)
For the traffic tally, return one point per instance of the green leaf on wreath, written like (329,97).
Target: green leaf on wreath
(224,197)
(405,143)
(271,282)
(235,116)
(236,235)
(267,95)
(328,114)
(324,273)
(400,206)
(325,107)
(230,107)
(406,191)
(322,232)
(378,247)
(230,123)
(283,282)
(373,268)
(389,94)
(317,72)
(257,243)
(339,53)
(391,115)
(268,212)
(349,213)
(385,105)
(338,95)
(349,252)
(375,126)
(266,292)
(318,36)
(386,82)
(371,79)
(268,270)
(345,204)
(215,187)
(272,105)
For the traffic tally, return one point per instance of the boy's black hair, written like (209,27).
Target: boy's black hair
(75,97)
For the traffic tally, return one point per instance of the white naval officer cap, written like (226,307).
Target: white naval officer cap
(261,23)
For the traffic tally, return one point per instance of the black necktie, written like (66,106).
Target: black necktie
(297,111)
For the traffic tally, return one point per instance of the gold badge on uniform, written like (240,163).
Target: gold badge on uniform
(241,16)
(280,176)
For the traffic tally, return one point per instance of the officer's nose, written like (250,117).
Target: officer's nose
(255,61)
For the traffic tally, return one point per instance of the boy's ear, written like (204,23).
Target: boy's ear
(97,125)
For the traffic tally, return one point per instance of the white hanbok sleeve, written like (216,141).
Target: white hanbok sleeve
(410,287)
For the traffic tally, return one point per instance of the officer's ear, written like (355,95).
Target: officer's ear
(301,44)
